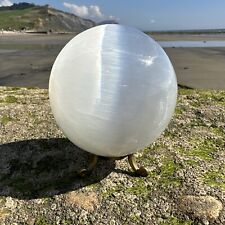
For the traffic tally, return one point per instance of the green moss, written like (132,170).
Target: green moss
(167,173)
(156,146)
(15,88)
(10,99)
(67,222)
(201,153)
(5,119)
(215,178)
(194,102)
(175,221)
(42,221)
(185,91)
(135,218)
(192,162)
(95,186)
(2,201)
(32,88)
(146,158)
(139,188)
(169,134)
(168,168)
(217,130)
(216,96)
(202,149)
(178,110)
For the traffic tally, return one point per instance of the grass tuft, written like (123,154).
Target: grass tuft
(10,99)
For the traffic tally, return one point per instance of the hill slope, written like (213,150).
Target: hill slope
(41,18)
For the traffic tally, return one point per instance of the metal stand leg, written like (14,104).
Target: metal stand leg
(91,166)
(140,171)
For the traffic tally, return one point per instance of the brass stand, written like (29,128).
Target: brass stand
(139,171)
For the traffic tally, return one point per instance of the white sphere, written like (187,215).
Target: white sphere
(112,90)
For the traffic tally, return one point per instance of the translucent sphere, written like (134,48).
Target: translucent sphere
(112,90)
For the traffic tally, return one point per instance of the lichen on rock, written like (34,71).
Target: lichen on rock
(38,168)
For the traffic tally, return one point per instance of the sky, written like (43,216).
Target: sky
(146,15)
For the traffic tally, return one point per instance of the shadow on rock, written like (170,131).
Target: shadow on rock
(45,167)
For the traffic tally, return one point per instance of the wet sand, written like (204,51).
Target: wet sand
(199,67)
(26,60)
(189,37)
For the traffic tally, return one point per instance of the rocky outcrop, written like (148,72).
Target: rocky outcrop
(38,165)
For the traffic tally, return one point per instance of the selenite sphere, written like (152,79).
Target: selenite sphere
(112,90)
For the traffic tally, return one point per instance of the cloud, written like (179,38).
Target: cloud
(92,12)
(95,11)
(5,3)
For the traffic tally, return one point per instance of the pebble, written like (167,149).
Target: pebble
(202,207)
(10,203)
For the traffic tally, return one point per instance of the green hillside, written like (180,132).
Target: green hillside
(18,19)
(41,18)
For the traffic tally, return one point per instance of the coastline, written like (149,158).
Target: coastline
(156,36)
(26,59)
(189,37)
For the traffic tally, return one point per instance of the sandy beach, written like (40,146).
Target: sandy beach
(188,37)
(199,67)
(26,60)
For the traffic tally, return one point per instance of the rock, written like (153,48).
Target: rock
(10,203)
(201,207)
(37,161)
(53,206)
(86,201)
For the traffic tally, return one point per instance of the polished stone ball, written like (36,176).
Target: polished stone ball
(112,90)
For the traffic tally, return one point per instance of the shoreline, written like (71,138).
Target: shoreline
(27,61)
(156,36)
